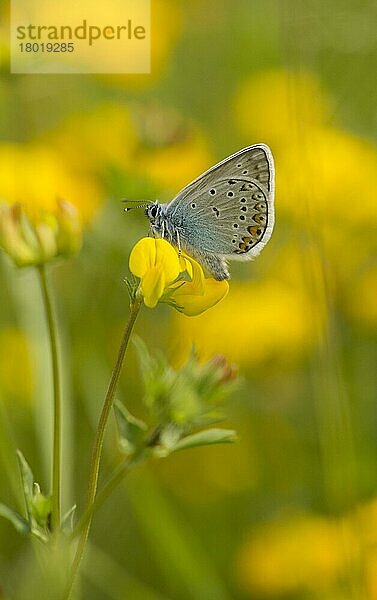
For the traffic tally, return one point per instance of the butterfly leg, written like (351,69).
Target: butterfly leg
(179,243)
(216,265)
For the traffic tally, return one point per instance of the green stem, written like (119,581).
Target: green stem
(56,460)
(98,444)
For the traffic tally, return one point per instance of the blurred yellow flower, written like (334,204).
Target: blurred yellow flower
(312,554)
(296,555)
(324,177)
(325,190)
(176,280)
(105,135)
(52,235)
(35,176)
(366,519)
(166,25)
(187,150)
(258,321)
(142,140)
(318,164)
(283,100)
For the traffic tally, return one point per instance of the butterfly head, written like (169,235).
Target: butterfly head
(154,212)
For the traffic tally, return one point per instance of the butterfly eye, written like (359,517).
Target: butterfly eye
(153,211)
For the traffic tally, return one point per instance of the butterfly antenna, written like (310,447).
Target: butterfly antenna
(144,203)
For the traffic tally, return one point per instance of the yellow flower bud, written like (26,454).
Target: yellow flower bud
(46,234)
(14,239)
(69,237)
(42,239)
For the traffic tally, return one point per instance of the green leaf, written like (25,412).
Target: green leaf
(206,438)
(27,478)
(18,521)
(67,520)
(131,430)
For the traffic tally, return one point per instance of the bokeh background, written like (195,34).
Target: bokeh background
(290,511)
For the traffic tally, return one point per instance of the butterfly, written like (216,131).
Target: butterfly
(227,213)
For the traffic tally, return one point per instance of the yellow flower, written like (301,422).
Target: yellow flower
(176,280)
(197,295)
(157,264)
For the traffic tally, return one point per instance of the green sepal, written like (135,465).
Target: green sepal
(168,438)
(38,506)
(132,285)
(27,479)
(18,521)
(68,520)
(41,507)
(158,377)
(131,430)
(206,438)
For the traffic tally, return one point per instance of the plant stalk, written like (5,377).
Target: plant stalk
(57,416)
(98,445)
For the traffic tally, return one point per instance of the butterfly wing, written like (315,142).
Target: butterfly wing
(229,210)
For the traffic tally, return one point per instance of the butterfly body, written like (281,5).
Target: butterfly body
(225,214)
